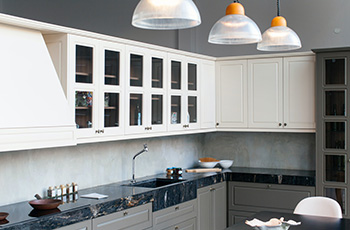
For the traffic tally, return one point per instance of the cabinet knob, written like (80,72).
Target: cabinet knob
(176,227)
(102,131)
(280,124)
(97,131)
(150,128)
(285,124)
(177,208)
(146,128)
(269,186)
(212,189)
(217,124)
(125,213)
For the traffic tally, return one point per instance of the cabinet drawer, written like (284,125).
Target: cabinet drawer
(175,214)
(185,225)
(130,219)
(256,197)
(85,225)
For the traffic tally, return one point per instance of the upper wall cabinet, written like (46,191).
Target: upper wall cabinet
(146,90)
(270,94)
(92,73)
(208,120)
(183,93)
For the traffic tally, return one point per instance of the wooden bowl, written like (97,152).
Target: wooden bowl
(45,204)
(3,215)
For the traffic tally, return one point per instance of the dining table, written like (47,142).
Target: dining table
(308,222)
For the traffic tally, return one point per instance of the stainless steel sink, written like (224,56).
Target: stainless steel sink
(154,183)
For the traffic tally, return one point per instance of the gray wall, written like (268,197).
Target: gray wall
(313,20)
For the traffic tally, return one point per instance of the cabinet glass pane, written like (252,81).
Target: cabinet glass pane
(337,194)
(175,75)
(111,109)
(335,103)
(135,109)
(83,64)
(335,135)
(136,67)
(192,109)
(111,67)
(83,109)
(335,71)
(335,168)
(175,109)
(157,73)
(157,109)
(192,76)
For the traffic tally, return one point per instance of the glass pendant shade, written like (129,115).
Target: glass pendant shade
(166,14)
(279,37)
(234,28)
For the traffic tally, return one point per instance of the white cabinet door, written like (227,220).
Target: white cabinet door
(299,92)
(265,96)
(232,99)
(207,98)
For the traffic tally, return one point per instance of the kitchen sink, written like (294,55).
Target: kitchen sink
(154,183)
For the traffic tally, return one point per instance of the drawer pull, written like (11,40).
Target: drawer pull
(125,213)
(212,189)
(102,131)
(97,131)
(269,186)
(176,227)
(177,208)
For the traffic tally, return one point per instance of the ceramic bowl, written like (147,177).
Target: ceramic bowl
(210,164)
(226,163)
(3,215)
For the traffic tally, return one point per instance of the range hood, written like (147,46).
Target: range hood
(34,111)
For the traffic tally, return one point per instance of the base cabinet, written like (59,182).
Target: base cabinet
(246,199)
(85,225)
(137,218)
(212,207)
(181,216)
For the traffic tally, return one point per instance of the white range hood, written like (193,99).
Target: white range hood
(34,112)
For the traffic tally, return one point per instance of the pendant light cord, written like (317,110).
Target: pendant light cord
(278,8)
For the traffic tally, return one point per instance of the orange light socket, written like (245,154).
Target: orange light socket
(235,8)
(278,21)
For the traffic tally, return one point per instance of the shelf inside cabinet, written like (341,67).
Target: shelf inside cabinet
(110,76)
(82,107)
(134,78)
(82,74)
(110,107)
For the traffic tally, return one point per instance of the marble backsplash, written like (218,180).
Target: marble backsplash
(25,173)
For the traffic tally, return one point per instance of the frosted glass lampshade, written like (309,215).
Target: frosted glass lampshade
(234,29)
(166,14)
(279,38)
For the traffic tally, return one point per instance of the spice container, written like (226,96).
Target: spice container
(51,192)
(63,190)
(75,187)
(69,189)
(58,191)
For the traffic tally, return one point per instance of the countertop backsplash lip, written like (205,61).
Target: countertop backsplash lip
(122,197)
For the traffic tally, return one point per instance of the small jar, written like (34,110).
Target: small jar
(58,191)
(69,189)
(51,192)
(75,187)
(63,190)
(169,171)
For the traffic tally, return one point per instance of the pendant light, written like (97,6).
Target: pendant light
(279,37)
(166,14)
(234,28)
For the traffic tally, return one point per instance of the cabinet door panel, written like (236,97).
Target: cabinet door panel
(219,206)
(204,209)
(232,94)
(299,92)
(265,93)
(208,119)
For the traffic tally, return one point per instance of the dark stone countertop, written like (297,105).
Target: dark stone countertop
(120,197)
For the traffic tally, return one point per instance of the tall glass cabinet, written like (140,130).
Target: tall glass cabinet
(332,133)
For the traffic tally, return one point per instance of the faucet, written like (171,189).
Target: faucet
(145,149)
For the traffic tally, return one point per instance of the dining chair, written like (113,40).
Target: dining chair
(319,206)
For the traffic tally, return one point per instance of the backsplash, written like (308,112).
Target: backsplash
(262,150)
(25,173)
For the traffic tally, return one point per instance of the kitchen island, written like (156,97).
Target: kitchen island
(121,197)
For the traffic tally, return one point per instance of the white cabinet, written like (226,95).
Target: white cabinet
(232,100)
(207,99)
(146,90)
(265,81)
(137,218)
(270,94)
(183,93)
(212,207)
(84,225)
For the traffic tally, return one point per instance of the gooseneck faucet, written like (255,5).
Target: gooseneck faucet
(145,149)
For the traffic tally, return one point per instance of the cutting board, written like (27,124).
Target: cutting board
(203,170)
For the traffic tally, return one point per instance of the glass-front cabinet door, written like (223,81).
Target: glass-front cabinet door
(332,129)
(183,93)
(98,87)
(146,90)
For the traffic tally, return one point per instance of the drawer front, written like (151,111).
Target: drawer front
(245,196)
(130,219)
(85,225)
(175,214)
(185,225)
